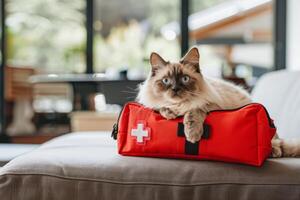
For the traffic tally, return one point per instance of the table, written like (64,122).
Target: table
(116,91)
(92,121)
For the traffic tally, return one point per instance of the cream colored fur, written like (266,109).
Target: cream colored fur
(215,94)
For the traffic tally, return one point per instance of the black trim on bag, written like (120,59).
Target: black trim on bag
(180,130)
(192,148)
(271,124)
(206,130)
(114,133)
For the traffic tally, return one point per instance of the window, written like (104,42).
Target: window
(48,35)
(1,33)
(234,37)
(1,70)
(127,31)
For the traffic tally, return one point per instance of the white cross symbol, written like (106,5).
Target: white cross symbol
(140,133)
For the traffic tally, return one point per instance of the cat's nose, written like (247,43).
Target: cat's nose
(175,89)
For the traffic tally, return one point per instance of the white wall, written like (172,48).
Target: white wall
(293,34)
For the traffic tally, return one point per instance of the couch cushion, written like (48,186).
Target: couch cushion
(87,166)
(279,91)
(14,150)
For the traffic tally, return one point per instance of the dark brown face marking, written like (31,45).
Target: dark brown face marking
(157,63)
(178,83)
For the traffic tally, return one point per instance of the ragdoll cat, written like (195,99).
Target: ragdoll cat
(180,89)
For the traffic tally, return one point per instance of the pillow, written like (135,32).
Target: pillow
(240,136)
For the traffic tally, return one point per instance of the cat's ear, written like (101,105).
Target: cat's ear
(192,58)
(156,62)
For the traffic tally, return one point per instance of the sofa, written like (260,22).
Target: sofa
(86,165)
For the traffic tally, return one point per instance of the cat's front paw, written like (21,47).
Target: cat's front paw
(168,113)
(193,130)
(193,125)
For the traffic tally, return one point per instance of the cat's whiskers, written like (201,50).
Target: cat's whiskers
(191,92)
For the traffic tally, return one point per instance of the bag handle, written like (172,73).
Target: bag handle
(192,148)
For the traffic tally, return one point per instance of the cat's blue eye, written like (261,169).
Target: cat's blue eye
(166,81)
(185,79)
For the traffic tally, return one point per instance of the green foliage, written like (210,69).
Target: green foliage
(51,35)
(45,34)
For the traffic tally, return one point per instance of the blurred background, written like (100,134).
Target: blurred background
(71,65)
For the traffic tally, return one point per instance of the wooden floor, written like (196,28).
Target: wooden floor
(32,139)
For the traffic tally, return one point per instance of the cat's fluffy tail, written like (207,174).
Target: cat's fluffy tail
(290,147)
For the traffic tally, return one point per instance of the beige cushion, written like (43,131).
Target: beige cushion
(279,91)
(87,166)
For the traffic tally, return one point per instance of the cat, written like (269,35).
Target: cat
(180,89)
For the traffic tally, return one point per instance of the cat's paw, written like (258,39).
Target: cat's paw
(193,125)
(193,130)
(168,113)
(276,148)
(290,147)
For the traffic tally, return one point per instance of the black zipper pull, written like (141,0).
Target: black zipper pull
(114,132)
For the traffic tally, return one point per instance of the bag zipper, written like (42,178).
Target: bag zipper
(114,133)
(271,123)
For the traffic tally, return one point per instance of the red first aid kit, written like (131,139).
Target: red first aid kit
(240,136)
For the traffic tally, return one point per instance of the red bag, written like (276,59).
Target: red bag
(241,136)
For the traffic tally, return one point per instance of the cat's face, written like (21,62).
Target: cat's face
(176,82)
